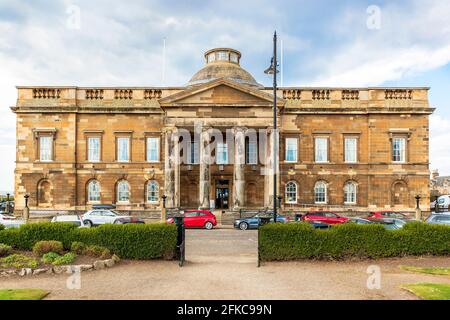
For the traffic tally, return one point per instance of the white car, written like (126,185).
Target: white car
(75,219)
(10,221)
(100,216)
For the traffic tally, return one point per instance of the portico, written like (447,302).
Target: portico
(222,141)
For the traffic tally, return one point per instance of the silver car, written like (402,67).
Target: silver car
(439,218)
(75,219)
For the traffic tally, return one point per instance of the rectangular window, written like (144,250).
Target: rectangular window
(252,153)
(194,154)
(399,149)
(351,149)
(291,149)
(46,148)
(222,153)
(152,149)
(123,149)
(93,148)
(321,149)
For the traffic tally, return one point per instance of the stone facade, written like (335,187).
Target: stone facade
(225,98)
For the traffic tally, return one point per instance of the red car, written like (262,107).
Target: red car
(198,219)
(324,217)
(387,214)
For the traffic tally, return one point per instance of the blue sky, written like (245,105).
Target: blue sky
(325,43)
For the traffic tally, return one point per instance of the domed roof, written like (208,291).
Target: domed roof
(223,63)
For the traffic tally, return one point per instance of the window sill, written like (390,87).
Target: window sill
(291,162)
(349,203)
(153,161)
(290,203)
(123,202)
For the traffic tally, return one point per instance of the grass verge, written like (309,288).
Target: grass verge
(433,270)
(22,294)
(429,291)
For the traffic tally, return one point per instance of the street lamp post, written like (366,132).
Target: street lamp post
(163,211)
(26,209)
(418,211)
(273,70)
(7,204)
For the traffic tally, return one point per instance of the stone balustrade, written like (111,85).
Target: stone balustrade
(46,93)
(294,96)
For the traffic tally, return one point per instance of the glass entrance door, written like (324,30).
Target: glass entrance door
(222,195)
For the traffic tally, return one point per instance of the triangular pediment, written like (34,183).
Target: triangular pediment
(220,93)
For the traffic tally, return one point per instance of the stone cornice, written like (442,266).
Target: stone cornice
(102,109)
(369,110)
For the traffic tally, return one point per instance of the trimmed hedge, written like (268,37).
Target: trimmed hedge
(302,241)
(129,241)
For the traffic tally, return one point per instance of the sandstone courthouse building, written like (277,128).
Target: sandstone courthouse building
(346,149)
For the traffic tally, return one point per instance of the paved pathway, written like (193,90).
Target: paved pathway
(222,265)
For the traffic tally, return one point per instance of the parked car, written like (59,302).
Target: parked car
(443,203)
(10,221)
(103,206)
(360,221)
(388,223)
(97,217)
(258,219)
(319,224)
(391,223)
(127,220)
(387,214)
(74,219)
(198,219)
(439,218)
(5,217)
(324,216)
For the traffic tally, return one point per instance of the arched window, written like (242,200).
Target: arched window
(123,191)
(291,192)
(320,192)
(93,191)
(350,192)
(152,191)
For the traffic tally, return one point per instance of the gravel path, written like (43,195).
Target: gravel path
(222,265)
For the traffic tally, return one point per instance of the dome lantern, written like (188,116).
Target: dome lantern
(223,63)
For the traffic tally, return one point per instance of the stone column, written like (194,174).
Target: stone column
(268,169)
(239,169)
(205,173)
(172,168)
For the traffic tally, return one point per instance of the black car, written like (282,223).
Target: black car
(103,206)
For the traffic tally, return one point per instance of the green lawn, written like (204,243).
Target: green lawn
(439,271)
(22,294)
(429,291)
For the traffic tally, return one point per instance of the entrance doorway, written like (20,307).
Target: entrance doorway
(222,194)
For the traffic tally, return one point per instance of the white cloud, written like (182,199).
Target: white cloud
(413,38)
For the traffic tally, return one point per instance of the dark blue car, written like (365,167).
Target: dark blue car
(257,220)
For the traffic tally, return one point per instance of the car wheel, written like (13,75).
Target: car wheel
(208,225)
(88,223)
(243,226)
